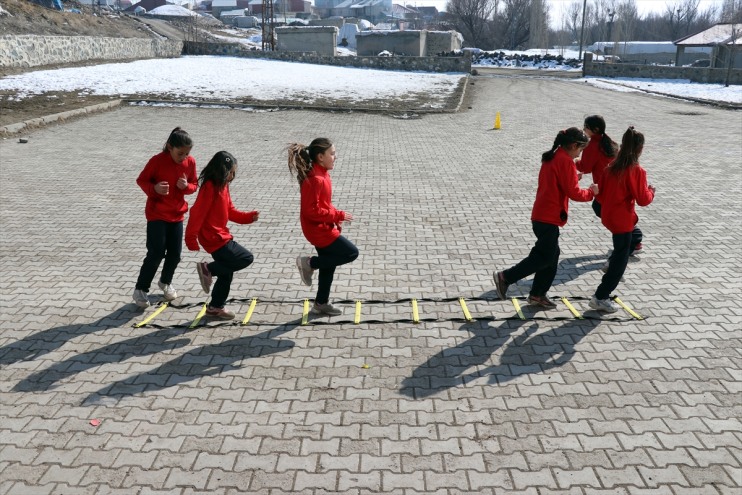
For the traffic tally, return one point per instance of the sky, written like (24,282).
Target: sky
(230,79)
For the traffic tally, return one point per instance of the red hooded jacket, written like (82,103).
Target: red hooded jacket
(170,207)
(319,219)
(557,184)
(207,221)
(594,160)
(617,196)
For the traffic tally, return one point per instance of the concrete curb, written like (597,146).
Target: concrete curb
(14,129)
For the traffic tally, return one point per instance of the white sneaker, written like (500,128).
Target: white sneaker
(140,298)
(326,309)
(605,305)
(168,291)
(305,270)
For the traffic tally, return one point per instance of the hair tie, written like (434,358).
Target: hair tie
(227,159)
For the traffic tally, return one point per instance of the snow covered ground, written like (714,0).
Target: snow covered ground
(232,79)
(235,79)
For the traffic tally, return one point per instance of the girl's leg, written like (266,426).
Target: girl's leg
(340,252)
(616,266)
(173,249)
(542,257)
(227,259)
(156,241)
(636,239)
(545,277)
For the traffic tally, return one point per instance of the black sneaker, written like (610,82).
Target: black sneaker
(541,301)
(500,285)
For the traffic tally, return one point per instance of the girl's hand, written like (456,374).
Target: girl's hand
(348,217)
(579,176)
(594,189)
(162,188)
(255,217)
(651,188)
(182,182)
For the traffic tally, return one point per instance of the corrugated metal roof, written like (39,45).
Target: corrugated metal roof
(720,34)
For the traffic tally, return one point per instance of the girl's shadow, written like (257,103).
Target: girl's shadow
(527,353)
(208,360)
(45,341)
(446,369)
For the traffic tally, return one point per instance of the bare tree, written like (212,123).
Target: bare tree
(538,25)
(681,15)
(572,18)
(516,17)
(731,11)
(472,17)
(627,16)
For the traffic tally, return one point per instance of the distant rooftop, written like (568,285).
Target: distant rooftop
(720,34)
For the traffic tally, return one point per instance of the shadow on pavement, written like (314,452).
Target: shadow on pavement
(45,341)
(527,353)
(208,360)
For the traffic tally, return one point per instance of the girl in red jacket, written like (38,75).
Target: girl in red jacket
(207,224)
(599,153)
(320,220)
(557,184)
(623,184)
(166,179)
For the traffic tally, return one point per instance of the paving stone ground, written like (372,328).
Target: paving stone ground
(549,404)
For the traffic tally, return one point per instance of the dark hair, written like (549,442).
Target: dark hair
(596,124)
(177,139)
(218,169)
(565,137)
(302,157)
(632,145)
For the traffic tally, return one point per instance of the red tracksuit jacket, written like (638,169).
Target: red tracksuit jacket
(170,207)
(619,193)
(557,184)
(207,221)
(319,219)
(594,160)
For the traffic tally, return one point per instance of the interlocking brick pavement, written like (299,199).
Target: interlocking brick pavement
(499,405)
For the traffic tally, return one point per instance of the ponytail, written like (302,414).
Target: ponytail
(632,145)
(302,157)
(596,125)
(565,138)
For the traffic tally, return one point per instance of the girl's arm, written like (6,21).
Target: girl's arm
(146,180)
(311,203)
(638,186)
(197,216)
(571,186)
(192,177)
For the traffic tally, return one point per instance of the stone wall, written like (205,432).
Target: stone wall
(35,51)
(322,40)
(694,74)
(424,64)
(443,42)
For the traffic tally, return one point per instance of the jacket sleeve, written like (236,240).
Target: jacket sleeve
(571,186)
(192,177)
(197,216)
(146,179)
(639,188)
(311,203)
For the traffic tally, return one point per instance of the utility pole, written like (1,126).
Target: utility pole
(582,29)
(610,24)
